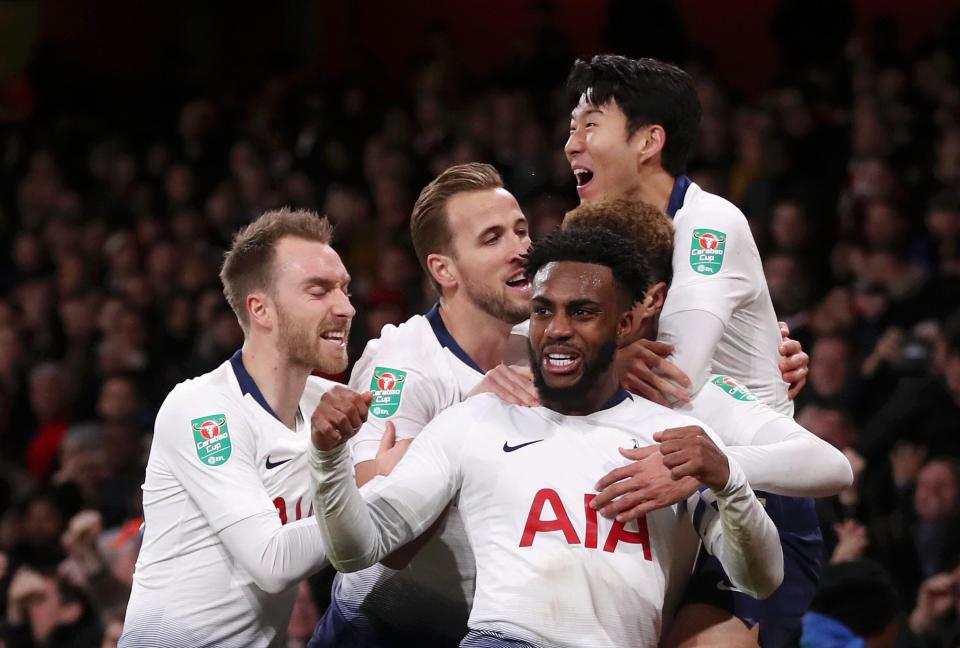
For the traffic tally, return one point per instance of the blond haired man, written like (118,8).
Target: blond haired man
(227,506)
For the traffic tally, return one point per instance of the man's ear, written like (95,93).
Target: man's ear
(649,142)
(655,296)
(626,326)
(260,309)
(443,270)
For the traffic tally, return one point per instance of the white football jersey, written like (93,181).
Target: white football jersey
(415,371)
(717,269)
(732,411)
(550,570)
(219,456)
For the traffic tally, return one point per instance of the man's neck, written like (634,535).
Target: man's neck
(281,382)
(482,336)
(594,400)
(653,187)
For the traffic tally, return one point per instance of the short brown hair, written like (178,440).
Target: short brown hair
(248,264)
(429,226)
(646,228)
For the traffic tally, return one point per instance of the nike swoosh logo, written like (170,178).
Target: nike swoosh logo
(723,587)
(510,448)
(271,466)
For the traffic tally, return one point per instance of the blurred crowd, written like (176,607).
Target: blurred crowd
(848,170)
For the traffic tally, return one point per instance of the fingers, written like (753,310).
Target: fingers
(796,388)
(662,349)
(672,434)
(640,374)
(520,379)
(784,330)
(339,415)
(615,475)
(511,384)
(642,388)
(636,454)
(388,440)
(602,501)
(664,367)
(789,347)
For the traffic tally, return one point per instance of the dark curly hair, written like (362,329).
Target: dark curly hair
(648,92)
(596,245)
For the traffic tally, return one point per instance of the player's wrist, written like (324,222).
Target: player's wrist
(735,481)
(328,459)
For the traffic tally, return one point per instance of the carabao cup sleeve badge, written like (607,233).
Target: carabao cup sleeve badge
(386,384)
(706,251)
(212,439)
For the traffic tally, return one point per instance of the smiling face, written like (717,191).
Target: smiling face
(603,156)
(577,313)
(490,234)
(312,304)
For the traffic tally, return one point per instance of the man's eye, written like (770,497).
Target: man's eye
(491,240)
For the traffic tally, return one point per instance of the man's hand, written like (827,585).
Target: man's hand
(689,452)
(79,541)
(906,460)
(644,369)
(26,585)
(339,415)
(794,363)
(631,491)
(512,384)
(391,451)
(937,596)
(852,541)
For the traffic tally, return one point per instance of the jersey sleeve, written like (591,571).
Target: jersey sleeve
(737,530)
(360,527)
(403,395)
(210,449)
(715,263)
(776,454)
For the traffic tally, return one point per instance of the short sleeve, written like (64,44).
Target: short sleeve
(209,447)
(714,263)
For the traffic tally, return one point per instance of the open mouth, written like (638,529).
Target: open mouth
(583,176)
(518,280)
(337,338)
(561,362)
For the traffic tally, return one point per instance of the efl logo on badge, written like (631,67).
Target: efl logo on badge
(735,389)
(706,251)
(387,387)
(212,439)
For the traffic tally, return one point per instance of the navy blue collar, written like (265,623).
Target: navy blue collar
(446,340)
(680,186)
(618,397)
(247,384)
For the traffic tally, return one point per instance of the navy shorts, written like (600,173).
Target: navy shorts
(780,614)
(336,631)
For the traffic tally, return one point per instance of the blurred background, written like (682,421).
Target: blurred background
(136,137)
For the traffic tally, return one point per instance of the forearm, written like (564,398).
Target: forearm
(694,335)
(276,556)
(793,462)
(355,533)
(744,538)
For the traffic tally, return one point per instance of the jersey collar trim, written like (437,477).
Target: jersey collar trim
(680,186)
(446,340)
(620,396)
(248,385)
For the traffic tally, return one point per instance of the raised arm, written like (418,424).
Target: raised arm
(361,529)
